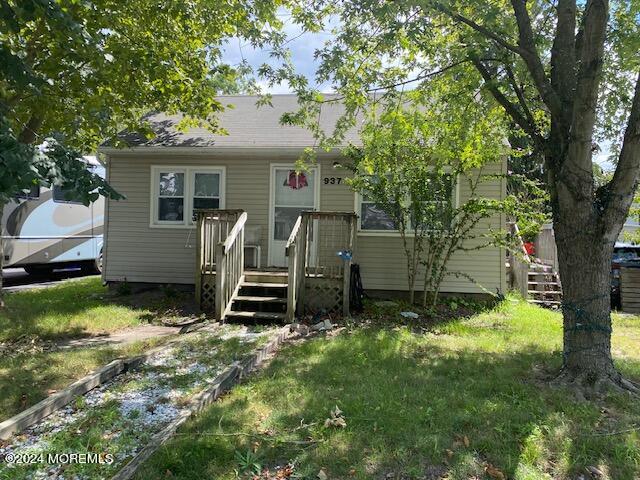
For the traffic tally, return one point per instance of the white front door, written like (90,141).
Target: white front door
(291,194)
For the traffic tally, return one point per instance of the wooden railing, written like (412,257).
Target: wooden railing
(215,228)
(295,251)
(313,251)
(229,267)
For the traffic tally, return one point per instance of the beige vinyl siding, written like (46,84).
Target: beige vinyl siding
(139,253)
(384,267)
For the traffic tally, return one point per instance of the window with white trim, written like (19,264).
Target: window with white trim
(374,219)
(177,191)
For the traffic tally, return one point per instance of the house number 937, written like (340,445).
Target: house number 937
(332,180)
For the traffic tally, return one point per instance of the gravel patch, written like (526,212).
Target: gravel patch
(113,421)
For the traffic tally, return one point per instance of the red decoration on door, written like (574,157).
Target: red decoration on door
(296,180)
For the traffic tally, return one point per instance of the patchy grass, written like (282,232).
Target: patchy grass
(467,399)
(29,378)
(34,320)
(80,308)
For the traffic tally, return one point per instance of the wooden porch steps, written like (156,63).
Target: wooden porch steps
(543,286)
(264,285)
(262,297)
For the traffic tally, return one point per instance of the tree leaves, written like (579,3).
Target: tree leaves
(90,69)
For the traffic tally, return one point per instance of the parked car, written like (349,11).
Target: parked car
(623,253)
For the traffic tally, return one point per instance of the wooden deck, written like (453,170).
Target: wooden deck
(317,277)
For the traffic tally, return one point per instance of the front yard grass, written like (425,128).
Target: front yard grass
(31,323)
(80,308)
(30,377)
(465,399)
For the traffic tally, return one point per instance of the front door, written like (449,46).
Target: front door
(291,193)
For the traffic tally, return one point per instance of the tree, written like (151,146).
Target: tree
(86,70)
(566,72)
(75,73)
(411,158)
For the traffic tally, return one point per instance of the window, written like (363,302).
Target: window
(178,191)
(373,219)
(65,195)
(206,190)
(30,194)
(438,210)
(171,197)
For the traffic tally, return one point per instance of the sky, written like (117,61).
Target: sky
(301,45)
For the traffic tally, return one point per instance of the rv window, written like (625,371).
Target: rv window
(33,193)
(65,195)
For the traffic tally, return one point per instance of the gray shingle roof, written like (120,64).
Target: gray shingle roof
(248,126)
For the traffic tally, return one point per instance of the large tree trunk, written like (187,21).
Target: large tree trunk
(584,255)
(585,265)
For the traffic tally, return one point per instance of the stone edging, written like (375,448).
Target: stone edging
(46,407)
(219,385)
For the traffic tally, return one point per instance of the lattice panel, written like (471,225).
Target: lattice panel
(208,293)
(322,294)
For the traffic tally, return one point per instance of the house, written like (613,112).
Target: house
(153,237)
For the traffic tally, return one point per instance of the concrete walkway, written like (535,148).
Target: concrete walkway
(123,337)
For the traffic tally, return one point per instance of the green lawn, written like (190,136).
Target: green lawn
(73,309)
(467,399)
(78,308)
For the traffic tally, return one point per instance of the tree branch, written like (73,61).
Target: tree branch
(478,28)
(509,106)
(422,76)
(529,54)
(625,179)
(563,52)
(585,99)
(519,93)
(30,131)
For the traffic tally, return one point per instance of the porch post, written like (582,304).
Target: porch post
(199,261)
(220,279)
(292,281)
(346,273)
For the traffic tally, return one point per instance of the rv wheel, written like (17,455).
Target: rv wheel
(38,269)
(93,266)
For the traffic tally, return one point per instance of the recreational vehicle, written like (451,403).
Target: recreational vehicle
(43,230)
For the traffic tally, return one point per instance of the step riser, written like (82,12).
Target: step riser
(256,316)
(263,291)
(264,278)
(270,307)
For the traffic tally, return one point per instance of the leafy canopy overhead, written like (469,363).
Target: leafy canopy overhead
(86,69)
(380,46)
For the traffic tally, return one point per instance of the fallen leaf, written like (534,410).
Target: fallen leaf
(322,475)
(493,472)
